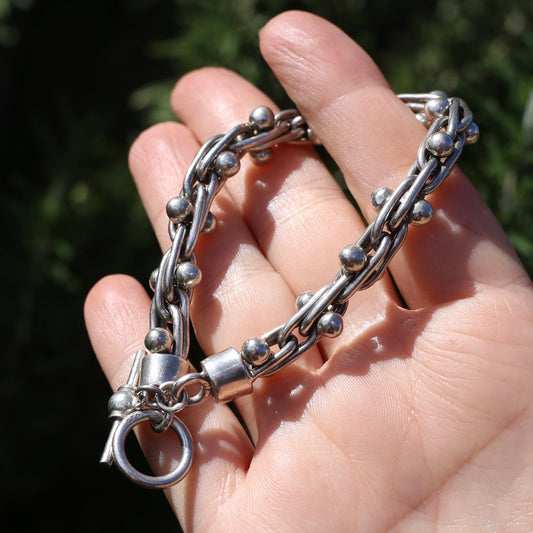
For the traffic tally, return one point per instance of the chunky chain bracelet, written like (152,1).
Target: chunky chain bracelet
(161,383)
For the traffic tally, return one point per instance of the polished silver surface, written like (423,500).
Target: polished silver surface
(162,383)
(120,404)
(227,375)
(158,368)
(153,417)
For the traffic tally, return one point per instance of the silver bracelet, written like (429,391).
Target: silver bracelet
(161,383)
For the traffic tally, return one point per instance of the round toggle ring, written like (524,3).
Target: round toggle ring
(145,480)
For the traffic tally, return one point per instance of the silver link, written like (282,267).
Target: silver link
(294,322)
(171,264)
(289,353)
(453,117)
(446,167)
(408,199)
(388,251)
(158,310)
(191,379)
(190,178)
(261,141)
(468,116)
(204,199)
(372,265)
(379,226)
(422,150)
(221,144)
(278,359)
(179,330)
(323,303)
(417,98)
(181,311)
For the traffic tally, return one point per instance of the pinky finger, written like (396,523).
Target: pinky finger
(115,314)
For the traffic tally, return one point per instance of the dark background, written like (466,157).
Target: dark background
(78,81)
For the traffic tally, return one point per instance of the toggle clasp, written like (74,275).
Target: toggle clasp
(127,411)
(154,417)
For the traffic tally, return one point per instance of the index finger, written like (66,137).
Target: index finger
(374,138)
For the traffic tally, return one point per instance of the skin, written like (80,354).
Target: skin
(414,419)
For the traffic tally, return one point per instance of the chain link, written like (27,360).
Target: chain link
(158,383)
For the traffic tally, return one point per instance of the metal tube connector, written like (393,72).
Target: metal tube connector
(159,368)
(228,375)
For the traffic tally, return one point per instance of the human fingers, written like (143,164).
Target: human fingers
(292,204)
(295,210)
(158,160)
(374,138)
(116,312)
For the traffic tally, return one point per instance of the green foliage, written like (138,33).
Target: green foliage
(78,82)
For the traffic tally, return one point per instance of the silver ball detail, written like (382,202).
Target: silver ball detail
(188,275)
(159,340)
(210,224)
(303,299)
(179,209)
(312,137)
(153,279)
(263,117)
(472,133)
(329,325)
(352,258)
(123,401)
(227,164)
(262,157)
(440,144)
(421,117)
(379,197)
(421,213)
(255,351)
(435,107)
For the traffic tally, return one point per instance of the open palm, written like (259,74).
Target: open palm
(420,415)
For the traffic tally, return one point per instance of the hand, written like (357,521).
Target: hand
(414,419)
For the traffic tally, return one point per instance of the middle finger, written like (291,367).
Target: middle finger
(298,214)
